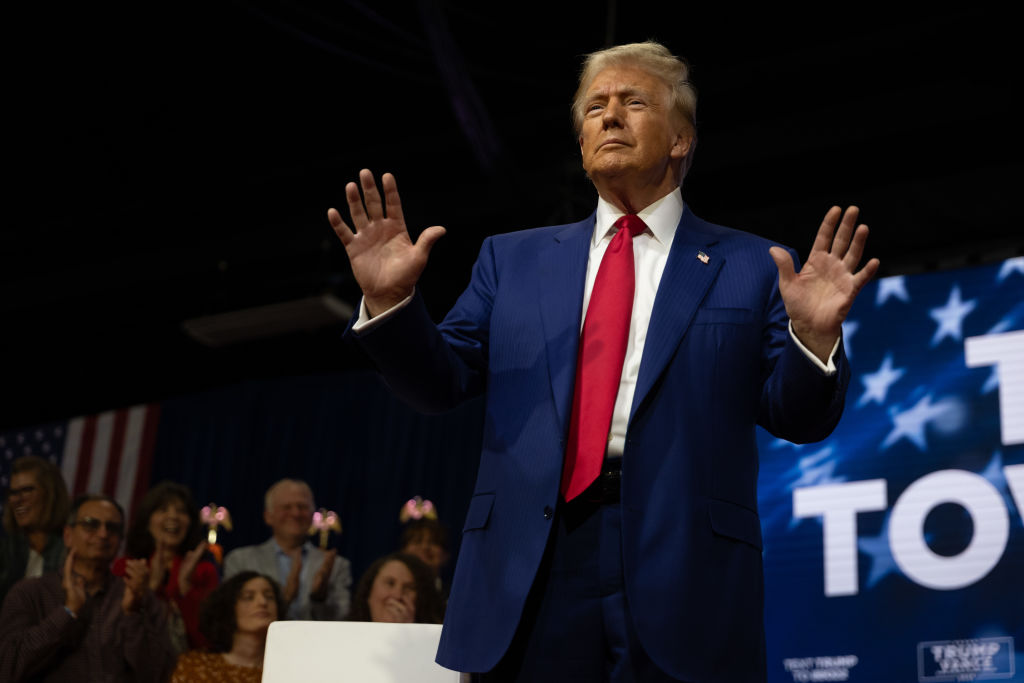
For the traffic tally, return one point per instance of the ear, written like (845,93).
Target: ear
(681,146)
(67,537)
(581,145)
(266,517)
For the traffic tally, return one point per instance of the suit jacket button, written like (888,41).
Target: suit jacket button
(548,512)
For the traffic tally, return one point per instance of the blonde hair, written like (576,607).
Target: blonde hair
(655,59)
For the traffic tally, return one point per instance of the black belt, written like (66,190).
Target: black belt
(607,488)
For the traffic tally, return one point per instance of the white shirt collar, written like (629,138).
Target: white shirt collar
(662,217)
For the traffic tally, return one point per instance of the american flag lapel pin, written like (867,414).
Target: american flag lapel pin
(703,258)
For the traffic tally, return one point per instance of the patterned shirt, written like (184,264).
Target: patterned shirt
(41,641)
(211,667)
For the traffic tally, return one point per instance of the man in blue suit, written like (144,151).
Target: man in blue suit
(653,572)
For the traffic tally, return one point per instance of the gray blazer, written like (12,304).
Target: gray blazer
(263,559)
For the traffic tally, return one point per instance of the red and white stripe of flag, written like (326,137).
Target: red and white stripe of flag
(111,453)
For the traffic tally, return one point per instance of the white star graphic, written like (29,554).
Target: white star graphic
(849,329)
(815,470)
(877,383)
(911,423)
(951,316)
(1010,265)
(892,286)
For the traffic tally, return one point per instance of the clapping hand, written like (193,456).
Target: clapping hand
(188,566)
(74,585)
(136,584)
(321,582)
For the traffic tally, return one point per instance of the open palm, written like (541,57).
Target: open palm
(819,297)
(385,261)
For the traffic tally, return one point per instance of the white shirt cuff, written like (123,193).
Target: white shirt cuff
(830,368)
(365,323)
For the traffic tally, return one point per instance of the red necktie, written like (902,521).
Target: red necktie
(599,363)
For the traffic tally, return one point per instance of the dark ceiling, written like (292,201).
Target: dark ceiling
(169,163)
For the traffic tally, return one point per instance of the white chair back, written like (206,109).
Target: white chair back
(332,651)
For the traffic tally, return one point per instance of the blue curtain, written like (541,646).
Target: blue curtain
(363,452)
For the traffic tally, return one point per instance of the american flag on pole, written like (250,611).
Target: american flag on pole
(110,453)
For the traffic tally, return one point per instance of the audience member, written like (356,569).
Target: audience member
(35,512)
(397,588)
(427,539)
(315,582)
(234,618)
(83,623)
(166,531)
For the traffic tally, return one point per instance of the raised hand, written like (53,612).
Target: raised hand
(819,297)
(188,566)
(73,584)
(158,570)
(385,261)
(136,584)
(318,591)
(399,610)
(291,584)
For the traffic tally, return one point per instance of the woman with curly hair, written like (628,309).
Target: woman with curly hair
(234,619)
(397,588)
(166,531)
(35,512)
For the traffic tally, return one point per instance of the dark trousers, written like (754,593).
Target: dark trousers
(576,624)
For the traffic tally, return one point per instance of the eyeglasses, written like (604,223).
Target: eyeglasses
(22,491)
(92,525)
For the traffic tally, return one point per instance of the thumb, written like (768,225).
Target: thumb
(784,262)
(429,237)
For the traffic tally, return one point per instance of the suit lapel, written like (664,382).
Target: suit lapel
(561,277)
(683,285)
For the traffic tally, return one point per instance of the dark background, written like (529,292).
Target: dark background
(167,162)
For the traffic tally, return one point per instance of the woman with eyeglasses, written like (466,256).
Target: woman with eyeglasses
(234,618)
(166,531)
(35,511)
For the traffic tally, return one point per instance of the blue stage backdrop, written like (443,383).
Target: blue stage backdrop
(894,550)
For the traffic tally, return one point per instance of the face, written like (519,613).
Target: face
(256,606)
(168,525)
(26,500)
(291,512)
(428,550)
(393,595)
(629,128)
(96,532)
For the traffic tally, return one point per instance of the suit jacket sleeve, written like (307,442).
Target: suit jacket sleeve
(436,367)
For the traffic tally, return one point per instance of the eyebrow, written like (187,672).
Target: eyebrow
(624,92)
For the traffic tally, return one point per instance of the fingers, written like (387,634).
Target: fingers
(856,250)
(784,262)
(393,204)
(68,573)
(428,238)
(341,229)
(371,197)
(355,206)
(823,240)
(366,206)
(865,274)
(845,232)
